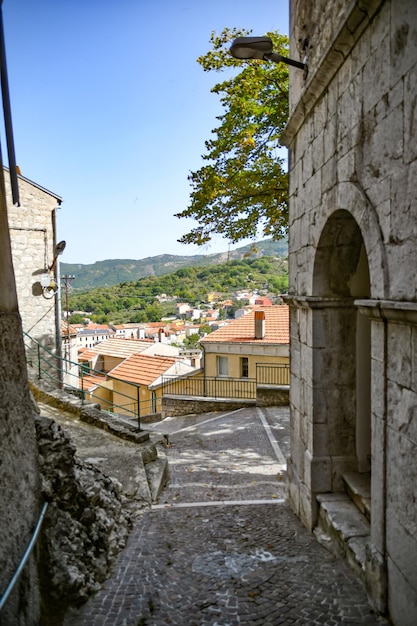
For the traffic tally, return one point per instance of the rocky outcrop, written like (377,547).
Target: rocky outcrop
(85,526)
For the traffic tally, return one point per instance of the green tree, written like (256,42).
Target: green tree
(192,340)
(76,318)
(243,187)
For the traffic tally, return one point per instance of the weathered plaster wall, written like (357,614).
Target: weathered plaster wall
(353,142)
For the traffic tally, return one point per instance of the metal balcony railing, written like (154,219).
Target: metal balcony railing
(225,387)
(271,374)
(210,387)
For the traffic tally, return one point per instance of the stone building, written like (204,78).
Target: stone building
(33,235)
(352,136)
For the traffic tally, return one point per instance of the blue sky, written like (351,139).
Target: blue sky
(111,110)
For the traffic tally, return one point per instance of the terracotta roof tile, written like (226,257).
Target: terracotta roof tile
(89,381)
(141,369)
(120,347)
(242,330)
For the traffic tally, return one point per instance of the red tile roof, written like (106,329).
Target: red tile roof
(88,381)
(119,347)
(140,369)
(263,302)
(242,330)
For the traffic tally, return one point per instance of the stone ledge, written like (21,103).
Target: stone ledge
(343,530)
(390,310)
(90,413)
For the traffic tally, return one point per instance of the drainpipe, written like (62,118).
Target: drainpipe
(203,359)
(138,398)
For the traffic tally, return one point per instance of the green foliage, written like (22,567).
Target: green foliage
(76,318)
(111,271)
(192,341)
(136,301)
(243,186)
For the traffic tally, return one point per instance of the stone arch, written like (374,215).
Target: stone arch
(343,352)
(349,197)
(349,264)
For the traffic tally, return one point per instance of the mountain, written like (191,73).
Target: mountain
(113,271)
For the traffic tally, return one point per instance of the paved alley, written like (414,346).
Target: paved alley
(222,548)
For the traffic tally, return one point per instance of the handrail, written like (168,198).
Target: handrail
(24,558)
(45,360)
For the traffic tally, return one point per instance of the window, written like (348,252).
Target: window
(222,366)
(244,367)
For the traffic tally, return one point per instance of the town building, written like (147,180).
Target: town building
(238,348)
(352,136)
(33,236)
(124,375)
(90,335)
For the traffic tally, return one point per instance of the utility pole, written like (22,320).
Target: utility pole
(67,278)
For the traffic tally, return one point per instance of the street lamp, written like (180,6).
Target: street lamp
(261,48)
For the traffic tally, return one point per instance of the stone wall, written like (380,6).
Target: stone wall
(85,525)
(272,395)
(32,238)
(352,244)
(186,405)
(20,498)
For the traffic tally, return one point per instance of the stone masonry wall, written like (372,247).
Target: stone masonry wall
(32,240)
(182,405)
(353,141)
(20,498)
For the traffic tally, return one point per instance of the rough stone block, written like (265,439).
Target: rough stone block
(402,596)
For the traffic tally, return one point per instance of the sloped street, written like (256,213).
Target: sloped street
(222,548)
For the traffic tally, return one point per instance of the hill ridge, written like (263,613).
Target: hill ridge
(109,272)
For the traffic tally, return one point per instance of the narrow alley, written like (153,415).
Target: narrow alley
(222,547)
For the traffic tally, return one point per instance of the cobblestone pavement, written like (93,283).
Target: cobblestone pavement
(222,548)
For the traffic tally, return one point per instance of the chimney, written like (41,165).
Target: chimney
(259,324)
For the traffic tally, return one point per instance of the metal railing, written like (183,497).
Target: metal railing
(24,558)
(271,374)
(224,387)
(94,385)
(86,383)
(211,387)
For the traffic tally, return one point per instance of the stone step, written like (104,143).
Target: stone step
(342,529)
(358,488)
(157,474)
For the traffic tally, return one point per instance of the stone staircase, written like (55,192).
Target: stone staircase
(343,525)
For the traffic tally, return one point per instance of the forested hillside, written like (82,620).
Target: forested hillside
(113,271)
(136,301)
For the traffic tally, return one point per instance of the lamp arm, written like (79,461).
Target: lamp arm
(277,58)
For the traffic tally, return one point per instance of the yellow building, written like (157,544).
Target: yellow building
(240,349)
(137,382)
(118,375)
